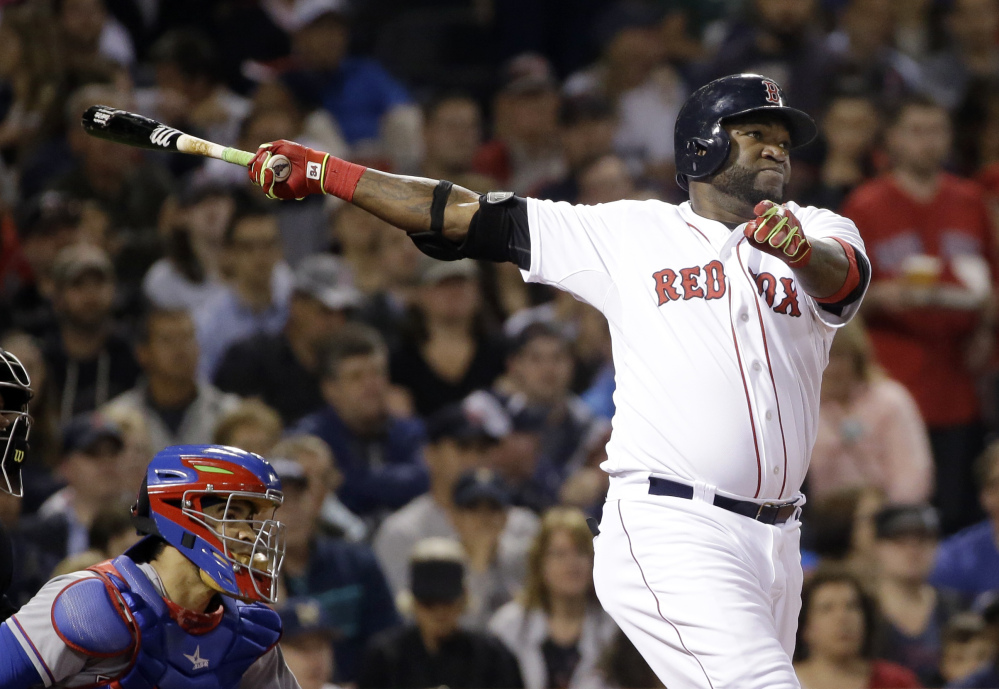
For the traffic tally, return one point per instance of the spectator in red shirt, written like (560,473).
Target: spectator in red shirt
(836,635)
(928,237)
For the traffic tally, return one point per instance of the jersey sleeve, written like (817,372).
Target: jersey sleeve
(819,223)
(270,671)
(574,248)
(33,629)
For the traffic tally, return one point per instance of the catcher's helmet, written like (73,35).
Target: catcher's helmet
(183,481)
(15,391)
(702,144)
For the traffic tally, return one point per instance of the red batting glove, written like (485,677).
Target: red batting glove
(312,172)
(777,232)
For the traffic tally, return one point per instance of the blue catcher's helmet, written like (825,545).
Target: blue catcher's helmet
(700,142)
(238,545)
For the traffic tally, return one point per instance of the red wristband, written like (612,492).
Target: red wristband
(852,276)
(341,178)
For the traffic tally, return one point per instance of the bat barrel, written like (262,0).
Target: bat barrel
(129,128)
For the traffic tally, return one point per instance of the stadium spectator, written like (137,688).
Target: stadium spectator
(969,60)
(379,454)
(46,224)
(385,309)
(373,110)
(623,667)
(452,134)
(863,59)
(434,650)
(870,432)
(282,369)
(448,352)
(460,441)
(782,41)
(969,560)
(524,150)
(850,129)
(307,642)
(88,360)
(645,90)
(137,451)
(122,192)
(110,534)
(586,127)
(929,242)
(91,456)
(191,272)
(839,529)
(256,300)
(538,376)
(605,180)
(966,652)
(481,507)
(556,628)
(178,408)
(836,634)
(915,613)
(342,578)
(357,237)
(92,45)
(188,94)
(250,426)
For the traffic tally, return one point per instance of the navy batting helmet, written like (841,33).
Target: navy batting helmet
(702,144)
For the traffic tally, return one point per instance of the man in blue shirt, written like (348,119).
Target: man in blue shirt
(969,560)
(341,580)
(379,454)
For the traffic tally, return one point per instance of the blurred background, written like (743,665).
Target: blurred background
(439,426)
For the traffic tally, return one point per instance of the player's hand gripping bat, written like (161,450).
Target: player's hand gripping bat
(128,128)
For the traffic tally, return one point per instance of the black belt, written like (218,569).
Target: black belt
(768,512)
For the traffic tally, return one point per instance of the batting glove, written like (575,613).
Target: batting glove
(777,232)
(312,172)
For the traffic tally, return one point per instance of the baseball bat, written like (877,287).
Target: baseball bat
(131,129)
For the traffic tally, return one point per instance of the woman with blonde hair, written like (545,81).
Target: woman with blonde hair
(556,627)
(870,432)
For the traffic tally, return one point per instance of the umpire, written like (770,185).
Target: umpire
(15,425)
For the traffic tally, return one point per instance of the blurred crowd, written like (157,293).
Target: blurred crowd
(438,427)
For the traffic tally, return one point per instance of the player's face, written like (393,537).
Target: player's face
(759,163)
(835,626)
(236,519)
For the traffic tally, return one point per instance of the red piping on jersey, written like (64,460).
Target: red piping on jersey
(749,402)
(34,650)
(766,350)
(745,385)
(656,598)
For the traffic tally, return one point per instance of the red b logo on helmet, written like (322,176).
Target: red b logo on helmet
(773,91)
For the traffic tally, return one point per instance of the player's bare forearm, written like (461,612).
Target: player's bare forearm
(405,202)
(826,271)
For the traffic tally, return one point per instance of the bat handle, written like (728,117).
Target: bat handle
(234,155)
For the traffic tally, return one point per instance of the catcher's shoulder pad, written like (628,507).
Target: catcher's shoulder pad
(89,616)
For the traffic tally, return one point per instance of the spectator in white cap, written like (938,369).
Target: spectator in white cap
(282,368)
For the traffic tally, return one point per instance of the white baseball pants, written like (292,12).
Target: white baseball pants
(710,598)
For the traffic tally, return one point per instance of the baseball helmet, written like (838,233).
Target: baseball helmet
(700,142)
(238,550)
(15,391)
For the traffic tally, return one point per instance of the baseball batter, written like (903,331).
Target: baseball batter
(721,310)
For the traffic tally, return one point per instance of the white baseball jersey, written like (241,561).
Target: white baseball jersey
(58,665)
(718,351)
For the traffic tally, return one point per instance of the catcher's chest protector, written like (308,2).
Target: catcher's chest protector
(173,658)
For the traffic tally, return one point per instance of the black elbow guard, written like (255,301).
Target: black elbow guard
(498,231)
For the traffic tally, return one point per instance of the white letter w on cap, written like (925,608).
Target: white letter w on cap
(312,170)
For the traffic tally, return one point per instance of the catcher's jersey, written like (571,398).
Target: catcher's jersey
(718,351)
(58,665)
